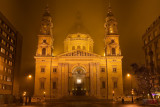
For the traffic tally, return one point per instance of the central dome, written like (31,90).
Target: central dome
(78,41)
(78,38)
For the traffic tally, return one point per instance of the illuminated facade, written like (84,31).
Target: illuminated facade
(10,56)
(78,71)
(151,46)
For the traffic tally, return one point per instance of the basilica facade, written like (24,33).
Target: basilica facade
(78,71)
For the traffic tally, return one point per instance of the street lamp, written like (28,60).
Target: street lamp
(29,76)
(44,93)
(129,76)
(113,94)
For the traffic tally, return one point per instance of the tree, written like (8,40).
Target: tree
(144,78)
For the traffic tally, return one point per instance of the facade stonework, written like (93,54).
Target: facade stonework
(78,71)
(151,47)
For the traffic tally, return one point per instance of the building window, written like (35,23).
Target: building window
(73,47)
(8,79)
(42,69)
(115,84)
(42,85)
(114,70)
(113,51)
(44,51)
(102,69)
(54,85)
(54,69)
(112,41)
(78,47)
(103,84)
(44,41)
(3,50)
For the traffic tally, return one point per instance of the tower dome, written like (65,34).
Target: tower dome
(78,38)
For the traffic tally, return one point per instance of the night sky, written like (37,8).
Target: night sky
(134,17)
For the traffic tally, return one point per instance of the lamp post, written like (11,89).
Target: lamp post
(44,93)
(132,91)
(129,76)
(132,94)
(113,94)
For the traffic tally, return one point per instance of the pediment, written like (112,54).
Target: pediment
(79,53)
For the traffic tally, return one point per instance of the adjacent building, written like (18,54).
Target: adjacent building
(10,55)
(78,71)
(151,46)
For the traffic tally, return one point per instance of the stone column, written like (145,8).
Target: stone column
(59,80)
(91,80)
(66,79)
(98,79)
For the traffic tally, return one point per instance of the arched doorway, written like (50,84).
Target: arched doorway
(79,81)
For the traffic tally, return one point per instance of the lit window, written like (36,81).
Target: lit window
(4,34)
(11,40)
(3,50)
(3,42)
(8,79)
(10,55)
(11,48)
(9,71)
(79,81)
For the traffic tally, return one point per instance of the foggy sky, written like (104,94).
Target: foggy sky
(134,17)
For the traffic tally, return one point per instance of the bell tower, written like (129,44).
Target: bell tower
(112,47)
(45,37)
(113,56)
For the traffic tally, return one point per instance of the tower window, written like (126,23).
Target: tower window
(42,69)
(103,84)
(44,51)
(113,51)
(115,84)
(112,41)
(54,69)
(114,70)
(54,85)
(44,41)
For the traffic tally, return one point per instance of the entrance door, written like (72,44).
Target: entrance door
(79,86)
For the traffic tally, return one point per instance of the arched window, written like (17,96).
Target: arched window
(113,51)
(73,47)
(44,51)
(78,47)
